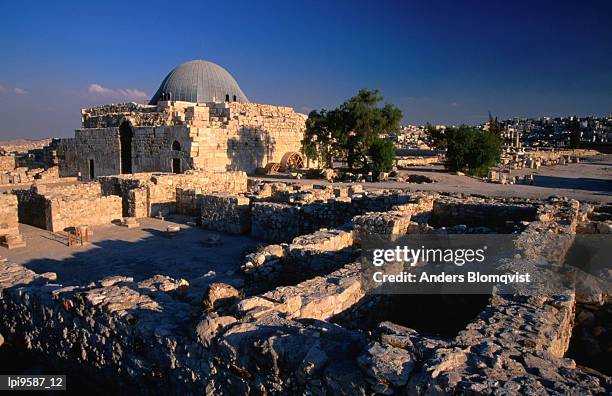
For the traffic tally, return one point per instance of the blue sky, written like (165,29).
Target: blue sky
(439,61)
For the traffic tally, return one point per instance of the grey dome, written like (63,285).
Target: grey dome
(199,81)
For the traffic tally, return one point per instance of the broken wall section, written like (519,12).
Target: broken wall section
(281,222)
(57,209)
(148,194)
(8,215)
(480,212)
(245,136)
(225,212)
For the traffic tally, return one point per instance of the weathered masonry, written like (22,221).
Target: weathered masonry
(209,125)
(298,321)
(111,198)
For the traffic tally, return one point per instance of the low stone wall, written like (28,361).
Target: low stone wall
(116,330)
(303,193)
(187,202)
(402,162)
(488,213)
(331,213)
(393,223)
(535,159)
(380,201)
(306,256)
(318,298)
(58,208)
(225,212)
(23,175)
(557,154)
(69,211)
(275,222)
(334,212)
(8,215)
(323,240)
(33,208)
(147,194)
(162,189)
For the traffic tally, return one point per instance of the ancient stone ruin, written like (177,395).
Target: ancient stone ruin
(209,125)
(154,265)
(296,318)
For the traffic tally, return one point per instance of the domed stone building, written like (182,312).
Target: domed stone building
(199,81)
(199,118)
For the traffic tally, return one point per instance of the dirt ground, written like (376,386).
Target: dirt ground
(138,252)
(590,180)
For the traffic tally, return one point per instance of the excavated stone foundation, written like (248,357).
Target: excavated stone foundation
(299,320)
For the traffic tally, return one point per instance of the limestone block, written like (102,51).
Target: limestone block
(219,295)
(394,223)
(8,214)
(13,241)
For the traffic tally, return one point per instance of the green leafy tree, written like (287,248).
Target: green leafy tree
(349,131)
(494,126)
(317,142)
(382,153)
(437,136)
(471,150)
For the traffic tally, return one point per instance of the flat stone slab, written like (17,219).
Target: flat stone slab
(13,241)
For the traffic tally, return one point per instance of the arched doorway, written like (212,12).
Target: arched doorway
(176,165)
(125,139)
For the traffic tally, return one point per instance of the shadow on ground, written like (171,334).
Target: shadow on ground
(580,183)
(180,256)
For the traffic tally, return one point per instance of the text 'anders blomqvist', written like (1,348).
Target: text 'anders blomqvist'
(470,277)
(459,257)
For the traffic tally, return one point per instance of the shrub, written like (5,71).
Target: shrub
(471,150)
(382,153)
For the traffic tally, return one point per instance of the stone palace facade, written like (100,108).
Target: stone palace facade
(198,119)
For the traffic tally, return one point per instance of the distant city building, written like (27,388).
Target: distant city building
(554,132)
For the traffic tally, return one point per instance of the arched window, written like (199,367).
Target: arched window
(234,98)
(227,98)
(176,146)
